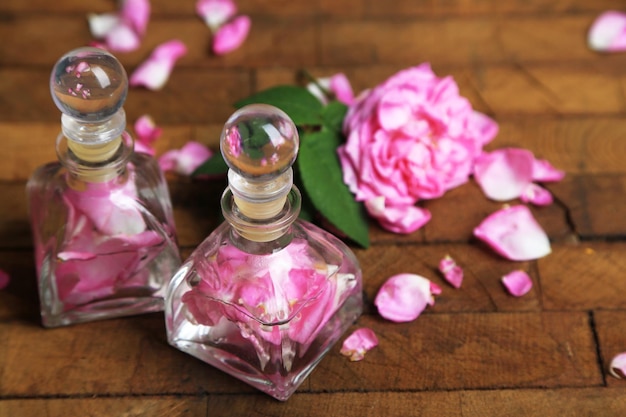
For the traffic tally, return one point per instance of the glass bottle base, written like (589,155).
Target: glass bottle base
(101,310)
(227,348)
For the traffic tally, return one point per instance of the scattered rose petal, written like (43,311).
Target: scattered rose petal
(231,35)
(398,219)
(216,12)
(514,233)
(608,32)
(358,343)
(101,24)
(136,13)
(155,71)
(451,271)
(121,38)
(543,171)
(147,133)
(536,195)
(338,86)
(121,32)
(435,290)
(618,366)
(517,283)
(403,297)
(186,160)
(504,174)
(5,278)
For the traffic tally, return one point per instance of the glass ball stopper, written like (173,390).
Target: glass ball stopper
(89,85)
(260,143)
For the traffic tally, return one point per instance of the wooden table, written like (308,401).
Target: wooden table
(478,351)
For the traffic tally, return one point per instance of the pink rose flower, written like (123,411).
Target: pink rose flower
(413,137)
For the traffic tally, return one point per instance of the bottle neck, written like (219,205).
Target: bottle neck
(261,235)
(95,163)
(92,150)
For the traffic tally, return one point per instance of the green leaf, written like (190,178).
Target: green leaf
(333,115)
(322,179)
(300,105)
(213,166)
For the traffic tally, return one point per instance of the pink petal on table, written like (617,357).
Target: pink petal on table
(5,278)
(608,32)
(517,283)
(147,133)
(403,297)
(543,171)
(618,366)
(155,71)
(536,195)
(514,233)
(231,35)
(136,13)
(435,290)
(216,12)
(186,160)
(358,343)
(340,86)
(398,219)
(101,24)
(504,174)
(451,271)
(122,38)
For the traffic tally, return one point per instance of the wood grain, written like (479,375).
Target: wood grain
(478,351)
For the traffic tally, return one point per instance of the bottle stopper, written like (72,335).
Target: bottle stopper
(89,86)
(260,143)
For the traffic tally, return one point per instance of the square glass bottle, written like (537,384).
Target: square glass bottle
(266,295)
(101,216)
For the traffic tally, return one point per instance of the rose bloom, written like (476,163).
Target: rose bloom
(413,137)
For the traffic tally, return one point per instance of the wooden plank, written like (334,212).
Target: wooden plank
(584,277)
(263,47)
(572,402)
(446,351)
(160,8)
(456,41)
(609,326)
(434,8)
(344,8)
(112,357)
(595,203)
(459,41)
(470,351)
(88,407)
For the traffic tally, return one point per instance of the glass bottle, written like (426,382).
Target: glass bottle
(102,223)
(266,295)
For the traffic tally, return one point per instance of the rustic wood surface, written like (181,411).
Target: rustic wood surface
(478,351)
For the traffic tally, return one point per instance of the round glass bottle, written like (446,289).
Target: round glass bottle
(101,216)
(266,295)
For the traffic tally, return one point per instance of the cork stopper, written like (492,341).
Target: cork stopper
(260,143)
(89,86)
